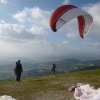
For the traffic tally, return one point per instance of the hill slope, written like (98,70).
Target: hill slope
(50,87)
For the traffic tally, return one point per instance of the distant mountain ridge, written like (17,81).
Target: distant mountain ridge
(43,68)
(66,65)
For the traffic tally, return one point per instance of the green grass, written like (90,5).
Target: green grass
(50,87)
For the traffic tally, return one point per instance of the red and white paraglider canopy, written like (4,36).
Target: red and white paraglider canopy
(65,13)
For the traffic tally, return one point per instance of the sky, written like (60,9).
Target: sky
(25,30)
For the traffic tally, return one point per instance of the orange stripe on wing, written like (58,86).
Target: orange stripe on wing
(56,14)
(81,24)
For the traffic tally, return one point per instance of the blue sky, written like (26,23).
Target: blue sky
(25,31)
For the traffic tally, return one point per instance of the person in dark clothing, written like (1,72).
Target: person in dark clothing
(53,68)
(19,70)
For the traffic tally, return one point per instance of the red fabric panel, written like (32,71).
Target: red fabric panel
(57,13)
(81,24)
(73,89)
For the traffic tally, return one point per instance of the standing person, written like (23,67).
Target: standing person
(53,68)
(19,70)
(15,68)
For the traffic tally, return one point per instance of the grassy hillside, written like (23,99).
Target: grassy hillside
(50,87)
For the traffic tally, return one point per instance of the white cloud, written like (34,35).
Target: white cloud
(36,30)
(66,42)
(95,45)
(2,21)
(72,35)
(12,32)
(4,1)
(36,47)
(6,47)
(33,15)
(66,2)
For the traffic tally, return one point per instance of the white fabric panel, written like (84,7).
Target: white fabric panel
(67,16)
(88,23)
(87,92)
(71,14)
(6,97)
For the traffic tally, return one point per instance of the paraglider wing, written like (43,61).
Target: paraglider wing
(65,13)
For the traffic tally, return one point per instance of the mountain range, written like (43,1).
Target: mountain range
(32,68)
